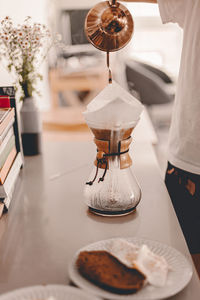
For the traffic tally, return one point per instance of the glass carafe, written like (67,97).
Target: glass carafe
(112,188)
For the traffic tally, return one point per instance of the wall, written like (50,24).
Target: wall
(154,42)
(68,4)
(157,44)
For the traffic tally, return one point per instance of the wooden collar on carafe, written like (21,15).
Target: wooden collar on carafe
(103,151)
(103,155)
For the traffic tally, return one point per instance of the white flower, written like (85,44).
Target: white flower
(25,46)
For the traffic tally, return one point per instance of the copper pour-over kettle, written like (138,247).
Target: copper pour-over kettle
(109,26)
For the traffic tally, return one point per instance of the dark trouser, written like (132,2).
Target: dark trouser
(184,191)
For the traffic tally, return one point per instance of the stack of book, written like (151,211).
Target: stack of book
(10,152)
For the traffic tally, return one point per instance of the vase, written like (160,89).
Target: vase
(31,127)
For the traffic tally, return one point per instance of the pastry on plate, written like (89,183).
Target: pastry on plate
(106,271)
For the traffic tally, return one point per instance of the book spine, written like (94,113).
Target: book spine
(6,152)
(4,112)
(10,91)
(4,101)
(6,140)
(5,132)
(6,120)
(6,188)
(2,205)
(7,166)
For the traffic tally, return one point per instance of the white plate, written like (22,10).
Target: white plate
(178,277)
(59,292)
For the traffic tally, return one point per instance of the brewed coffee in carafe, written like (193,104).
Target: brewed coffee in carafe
(112,188)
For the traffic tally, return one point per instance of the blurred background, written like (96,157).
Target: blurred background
(75,71)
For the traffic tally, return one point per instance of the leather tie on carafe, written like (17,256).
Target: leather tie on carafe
(103,154)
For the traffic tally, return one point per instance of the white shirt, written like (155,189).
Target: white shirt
(184,137)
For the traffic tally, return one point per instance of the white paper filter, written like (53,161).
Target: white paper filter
(113,106)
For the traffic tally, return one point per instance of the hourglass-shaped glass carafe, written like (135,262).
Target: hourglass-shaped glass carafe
(112,189)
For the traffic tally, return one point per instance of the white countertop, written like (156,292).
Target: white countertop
(48,220)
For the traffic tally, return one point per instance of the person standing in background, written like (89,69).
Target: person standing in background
(183,172)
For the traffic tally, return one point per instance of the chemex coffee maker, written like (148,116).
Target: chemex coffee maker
(112,189)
